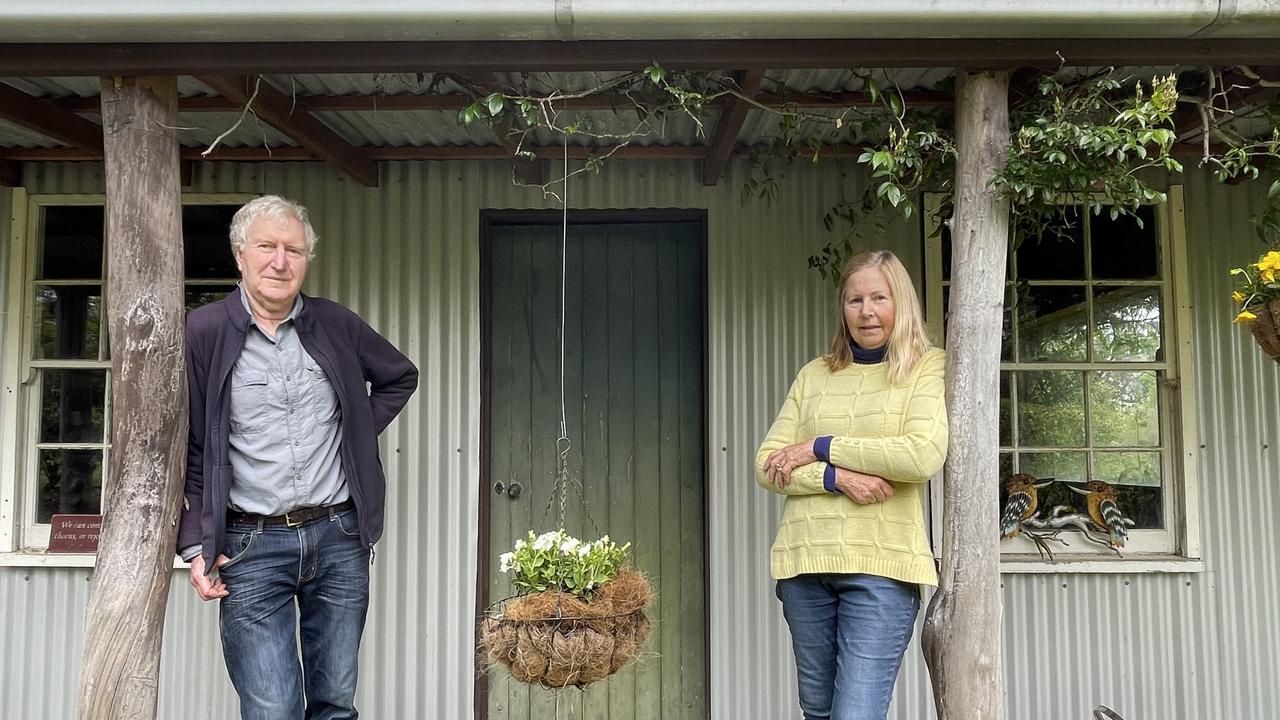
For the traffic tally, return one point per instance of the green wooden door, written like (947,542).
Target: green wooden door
(634,402)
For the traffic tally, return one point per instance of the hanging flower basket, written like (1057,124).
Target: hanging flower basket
(1258,294)
(573,631)
(1266,328)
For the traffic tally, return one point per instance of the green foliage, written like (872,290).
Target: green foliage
(558,561)
(1074,144)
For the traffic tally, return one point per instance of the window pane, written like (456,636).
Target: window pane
(205,241)
(198,295)
(1055,254)
(1135,476)
(1122,250)
(1126,324)
(1062,466)
(67,321)
(70,482)
(1127,468)
(1051,408)
(1006,429)
(1125,409)
(71,248)
(1052,324)
(1006,467)
(72,405)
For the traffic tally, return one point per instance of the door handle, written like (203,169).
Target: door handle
(513,490)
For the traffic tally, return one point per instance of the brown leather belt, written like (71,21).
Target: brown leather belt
(293,518)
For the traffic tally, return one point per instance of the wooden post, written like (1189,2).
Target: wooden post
(962,630)
(143,490)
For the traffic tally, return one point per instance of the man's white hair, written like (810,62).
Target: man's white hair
(276,208)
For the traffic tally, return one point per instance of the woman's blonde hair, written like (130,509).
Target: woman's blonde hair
(909,340)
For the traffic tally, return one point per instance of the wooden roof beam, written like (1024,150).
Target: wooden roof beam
(457,101)
(295,120)
(48,119)
(480,57)
(729,127)
(453,152)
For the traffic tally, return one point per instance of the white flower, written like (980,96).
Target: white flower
(584,550)
(545,541)
(604,541)
(569,545)
(507,560)
(519,545)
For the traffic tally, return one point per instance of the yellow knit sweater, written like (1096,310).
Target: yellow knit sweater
(898,432)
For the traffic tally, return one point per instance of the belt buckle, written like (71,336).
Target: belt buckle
(290,522)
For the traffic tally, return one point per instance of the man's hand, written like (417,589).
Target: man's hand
(783,461)
(207,587)
(862,488)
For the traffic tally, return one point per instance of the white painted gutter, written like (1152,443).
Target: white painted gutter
(376,20)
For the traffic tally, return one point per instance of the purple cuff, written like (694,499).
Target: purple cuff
(822,448)
(829,477)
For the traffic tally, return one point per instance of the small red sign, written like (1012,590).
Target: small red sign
(74,533)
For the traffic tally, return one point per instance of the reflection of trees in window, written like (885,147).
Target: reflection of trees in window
(1087,298)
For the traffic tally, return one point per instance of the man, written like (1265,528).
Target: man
(284,488)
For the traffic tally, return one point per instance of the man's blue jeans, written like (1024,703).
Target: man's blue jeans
(279,579)
(848,633)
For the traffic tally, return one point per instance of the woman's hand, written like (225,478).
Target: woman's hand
(862,488)
(781,463)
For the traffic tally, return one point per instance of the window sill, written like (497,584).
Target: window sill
(1065,564)
(40,558)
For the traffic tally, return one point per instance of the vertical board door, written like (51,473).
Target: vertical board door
(633,397)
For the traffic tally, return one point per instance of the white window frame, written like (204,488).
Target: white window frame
(22,540)
(1176,548)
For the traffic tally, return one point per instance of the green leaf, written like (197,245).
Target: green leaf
(1274,190)
(495,103)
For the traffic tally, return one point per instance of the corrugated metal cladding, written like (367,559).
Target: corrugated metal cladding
(405,255)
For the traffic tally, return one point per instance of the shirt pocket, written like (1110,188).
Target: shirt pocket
(320,397)
(250,403)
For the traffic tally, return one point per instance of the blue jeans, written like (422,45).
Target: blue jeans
(314,577)
(848,633)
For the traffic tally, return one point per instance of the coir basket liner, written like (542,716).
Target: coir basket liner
(556,639)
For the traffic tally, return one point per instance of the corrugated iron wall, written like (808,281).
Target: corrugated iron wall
(406,256)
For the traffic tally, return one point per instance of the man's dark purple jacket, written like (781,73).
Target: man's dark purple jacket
(351,354)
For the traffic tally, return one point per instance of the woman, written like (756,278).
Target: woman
(860,432)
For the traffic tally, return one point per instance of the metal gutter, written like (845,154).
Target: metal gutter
(387,20)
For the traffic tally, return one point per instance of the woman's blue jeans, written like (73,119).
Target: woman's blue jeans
(848,633)
(313,577)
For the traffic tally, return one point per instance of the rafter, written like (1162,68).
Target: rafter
(295,120)
(48,119)
(1188,121)
(729,127)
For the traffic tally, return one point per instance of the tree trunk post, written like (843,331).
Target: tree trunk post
(143,490)
(962,629)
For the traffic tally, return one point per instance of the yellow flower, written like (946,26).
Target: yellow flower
(1245,316)
(1237,296)
(1270,260)
(1268,275)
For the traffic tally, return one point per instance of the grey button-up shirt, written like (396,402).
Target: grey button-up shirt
(285,425)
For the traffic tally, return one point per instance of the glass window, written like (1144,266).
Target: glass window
(69,402)
(1084,384)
